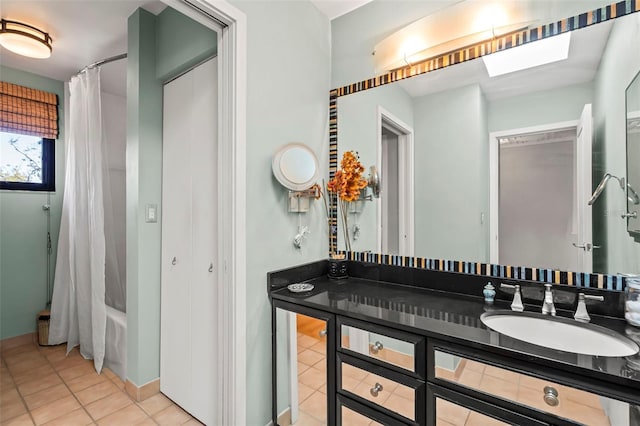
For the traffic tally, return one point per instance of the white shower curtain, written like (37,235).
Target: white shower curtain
(78,312)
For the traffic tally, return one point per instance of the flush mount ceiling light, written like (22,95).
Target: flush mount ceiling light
(25,39)
(541,52)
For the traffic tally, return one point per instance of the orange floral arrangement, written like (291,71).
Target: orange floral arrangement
(347,184)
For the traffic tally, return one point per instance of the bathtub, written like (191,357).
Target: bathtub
(115,351)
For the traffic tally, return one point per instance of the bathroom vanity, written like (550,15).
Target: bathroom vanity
(396,345)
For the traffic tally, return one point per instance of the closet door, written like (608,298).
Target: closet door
(188,357)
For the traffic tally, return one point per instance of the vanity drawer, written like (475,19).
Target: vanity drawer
(352,413)
(543,395)
(396,394)
(395,349)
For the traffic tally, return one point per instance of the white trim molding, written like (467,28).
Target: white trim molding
(231,25)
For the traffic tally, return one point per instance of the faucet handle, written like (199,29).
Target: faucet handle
(516,305)
(548,307)
(581,311)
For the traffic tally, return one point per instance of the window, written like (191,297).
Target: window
(27,163)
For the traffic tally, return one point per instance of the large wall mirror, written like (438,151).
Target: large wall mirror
(499,170)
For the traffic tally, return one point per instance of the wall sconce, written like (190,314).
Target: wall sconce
(463,24)
(25,39)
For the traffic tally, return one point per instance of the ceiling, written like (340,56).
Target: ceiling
(585,52)
(335,8)
(83,32)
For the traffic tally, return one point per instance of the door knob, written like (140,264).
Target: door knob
(174,260)
(211,267)
(323,333)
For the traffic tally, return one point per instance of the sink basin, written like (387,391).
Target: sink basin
(560,333)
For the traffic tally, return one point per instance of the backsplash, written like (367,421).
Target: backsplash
(577,279)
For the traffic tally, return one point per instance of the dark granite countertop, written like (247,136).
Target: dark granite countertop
(455,318)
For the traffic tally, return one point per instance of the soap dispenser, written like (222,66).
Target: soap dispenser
(489,293)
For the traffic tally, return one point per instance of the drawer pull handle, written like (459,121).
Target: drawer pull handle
(376,389)
(551,396)
(322,333)
(377,347)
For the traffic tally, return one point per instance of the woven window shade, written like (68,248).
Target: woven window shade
(28,111)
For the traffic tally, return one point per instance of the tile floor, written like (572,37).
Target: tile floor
(42,386)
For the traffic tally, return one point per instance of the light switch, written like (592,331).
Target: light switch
(151,213)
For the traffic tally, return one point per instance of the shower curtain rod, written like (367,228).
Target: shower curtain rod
(104,61)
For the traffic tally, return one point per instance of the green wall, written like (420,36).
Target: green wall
(452,175)
(23,225)
(358,127)
(288,83)
(617,68)
(152,60)
(181,43)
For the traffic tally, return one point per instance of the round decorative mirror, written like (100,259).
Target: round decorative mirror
(295,166)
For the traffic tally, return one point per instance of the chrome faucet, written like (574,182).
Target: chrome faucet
(547,304)
(581,311)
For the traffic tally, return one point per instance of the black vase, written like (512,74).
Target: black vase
(338,269)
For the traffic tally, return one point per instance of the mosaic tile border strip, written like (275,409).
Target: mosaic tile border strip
(577,279)
(518,38)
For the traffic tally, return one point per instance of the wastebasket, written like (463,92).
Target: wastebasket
(43,327)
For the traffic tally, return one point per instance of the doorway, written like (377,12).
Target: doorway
(395,211)
(540,181)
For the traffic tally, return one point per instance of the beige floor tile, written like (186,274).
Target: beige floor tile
(35,373)
(155,404)
(118,382)
(302,368)
(405,392)
(172,415)
(441,422)
(474,366)
(70,362)
(451,413)
(309,357)
(130,415)
(96,392)
(582,413)
(353,418)
(192,422)
(499,387)
(470,379)
(9,396)
(306,342)
(403,406)
(83,382)
(349,382)
(320,347)
(27,365)
(12,409)
(304,392)
(353,372)
(110,374)
(316,406)
(307,420)
(477,419)
(54,410)
(313,378)
(69,374)
(147,422)
(23,420)
(502,373)
(36,385)
(107,405)
(59,354)
(46,396)
(18,349)
(77,417)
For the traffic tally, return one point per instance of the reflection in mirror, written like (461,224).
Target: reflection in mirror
(585,407)
(390,350)
(633,156)
(533,120)
(450,414)
(301,371)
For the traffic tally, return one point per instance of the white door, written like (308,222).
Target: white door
(188,356)
(583,184)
